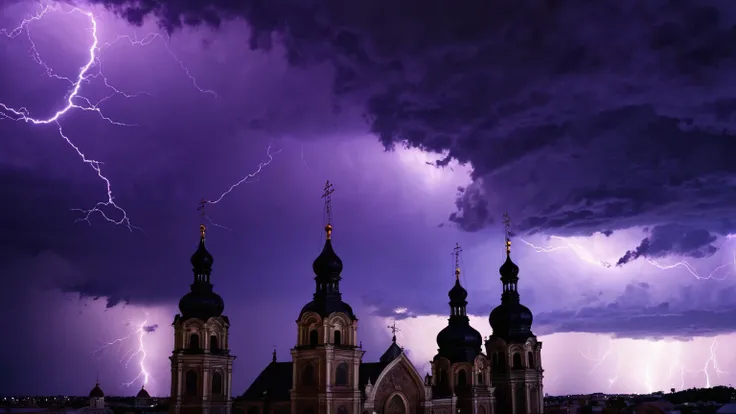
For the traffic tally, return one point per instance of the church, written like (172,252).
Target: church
(327,374)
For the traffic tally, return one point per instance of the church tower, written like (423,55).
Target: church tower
(201,364)
(515,353)
(326,358)
(460,372)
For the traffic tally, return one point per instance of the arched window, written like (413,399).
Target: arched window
(194,341)
(517,360)
(313,337)
(462,378)
(341,374)
(396,406)
(254,410)
(214,345)
(480,378)
(443,378)
(191,383)
(216,383)
(530,357)
(338,338)
(342,410)
(308,375)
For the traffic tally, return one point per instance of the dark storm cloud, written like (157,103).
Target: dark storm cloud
(576,116)
(149,328)
(673,239)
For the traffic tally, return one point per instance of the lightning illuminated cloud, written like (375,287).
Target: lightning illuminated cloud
(137,350)
(90,71)
(586,256)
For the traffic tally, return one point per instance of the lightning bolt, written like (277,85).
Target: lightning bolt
(74,100)
(585,256)
(250,177)
(137,336)
(600,360)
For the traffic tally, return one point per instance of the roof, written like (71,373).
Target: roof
(143,393)
(96,392)
(276,379)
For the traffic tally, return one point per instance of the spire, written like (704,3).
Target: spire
(509,270)
(273,356)
(327,266)
(202,259)
(457,294)
(394,350)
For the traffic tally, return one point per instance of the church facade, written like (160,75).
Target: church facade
(327,373)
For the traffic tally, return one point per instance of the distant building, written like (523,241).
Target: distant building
(96,402)
(326,374)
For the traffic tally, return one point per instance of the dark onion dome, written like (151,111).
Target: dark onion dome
(393,352)
(459,341)
(458,293)
(511,320)
(327,264)
(201,302)
(96,392)
(327,297)
(143,393)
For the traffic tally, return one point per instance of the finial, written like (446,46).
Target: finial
(360,345)
(273,356)
(97,381)
(507,231)
(456,252)
(327,195)
(202,227)
(393,329)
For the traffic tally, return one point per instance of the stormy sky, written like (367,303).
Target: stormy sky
(605,129)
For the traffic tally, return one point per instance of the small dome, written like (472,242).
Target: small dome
(458,293)
(96,392)
(325,308)
(201,304)
(510,319)
(327,263)
(509,269)
(143,393)
(202,259)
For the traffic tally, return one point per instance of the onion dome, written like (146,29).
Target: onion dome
(327,297)
(511,320)
(328,264)
(459,341)
(142,393)
(201,302)
(96,392)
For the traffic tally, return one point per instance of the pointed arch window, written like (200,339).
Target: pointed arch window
(216,383)
(191,383)
(396,406)
(341,374)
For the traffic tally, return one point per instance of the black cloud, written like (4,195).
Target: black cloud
(673,239)
(576,116)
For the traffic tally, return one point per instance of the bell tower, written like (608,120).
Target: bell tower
(516,355)
(201,364)
(326,358)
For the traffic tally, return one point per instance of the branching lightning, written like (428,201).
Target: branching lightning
(91,70)
(137,351)
(586,256)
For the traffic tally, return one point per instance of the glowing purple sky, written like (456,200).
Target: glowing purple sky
(634,157)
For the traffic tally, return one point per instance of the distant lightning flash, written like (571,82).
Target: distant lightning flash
(588,257)
(138,351)
(90,71)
